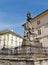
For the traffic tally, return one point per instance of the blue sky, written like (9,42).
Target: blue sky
(13,12)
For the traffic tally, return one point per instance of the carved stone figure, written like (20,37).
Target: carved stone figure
(28,16)
(30,37)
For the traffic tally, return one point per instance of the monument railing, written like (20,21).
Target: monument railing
(25,50)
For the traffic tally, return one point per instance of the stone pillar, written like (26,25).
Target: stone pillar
(37,63)
(30,63)
(47,62)
(44,62)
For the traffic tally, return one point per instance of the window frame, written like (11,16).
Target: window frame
(38,22)
(39,32)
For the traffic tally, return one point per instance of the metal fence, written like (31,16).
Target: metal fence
(24,50)
(31,50)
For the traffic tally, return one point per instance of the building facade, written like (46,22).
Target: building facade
(32,50)
(36,38)
(40,25)
(9,39)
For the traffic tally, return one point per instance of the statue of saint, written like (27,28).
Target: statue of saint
(28,16)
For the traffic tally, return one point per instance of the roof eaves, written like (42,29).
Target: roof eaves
(9,31)
(40,14)
(37,16)
(15,34)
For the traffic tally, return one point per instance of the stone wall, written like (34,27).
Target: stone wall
(39,62)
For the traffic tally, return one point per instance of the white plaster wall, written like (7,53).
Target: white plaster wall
(8,41)
(2,42)
(45,42)
(16,41)
(43,21)
(44,29)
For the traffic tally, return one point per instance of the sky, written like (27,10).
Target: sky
(13,13)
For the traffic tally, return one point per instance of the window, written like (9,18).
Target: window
(38,22)
(39,32)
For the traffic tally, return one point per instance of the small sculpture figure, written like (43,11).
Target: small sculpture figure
(28,16)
